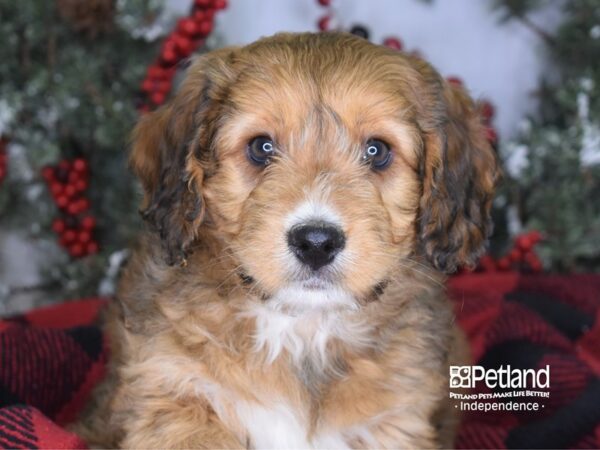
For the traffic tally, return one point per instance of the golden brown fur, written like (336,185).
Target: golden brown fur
(193,356)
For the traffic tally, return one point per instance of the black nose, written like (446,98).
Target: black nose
(316,244)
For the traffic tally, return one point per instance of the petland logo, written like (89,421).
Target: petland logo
(505,377)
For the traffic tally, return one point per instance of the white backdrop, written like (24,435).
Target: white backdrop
(499,61)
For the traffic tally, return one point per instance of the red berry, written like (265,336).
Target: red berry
(503,264)
(91,248)
(202,3)
(62,201)
(56,188)
(199,16)
(187,27)
(169,57)
(535,236)
(88,222)
(205,27)
(163,86)
(48,173)
(76,250)
(147,85)
(156,73)
(184,45)
(533,261)
(454,81)
(491,135)
(393,43)
(209,14)
(73,208)
(323,23)
(69,236)
(84,236)
(524,243)
(80,165)
(515,255)
(169,52)
(487,110)
(58,226)
(158,98)
(70,190)
(74,176)
(170,73)
(220,4)
(324,2)
(81,185)
(83,204)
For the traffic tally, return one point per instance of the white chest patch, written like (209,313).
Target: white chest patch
(306,334)
(275,427)
(275,424)
(278,427)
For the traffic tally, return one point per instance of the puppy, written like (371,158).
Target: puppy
(305,193)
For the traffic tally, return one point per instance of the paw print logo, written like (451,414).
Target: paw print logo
(460,376)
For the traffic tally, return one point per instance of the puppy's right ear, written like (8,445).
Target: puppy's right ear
(460,173)
(170,149)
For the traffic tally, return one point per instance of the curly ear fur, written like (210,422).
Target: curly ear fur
(460,172)
(170,149)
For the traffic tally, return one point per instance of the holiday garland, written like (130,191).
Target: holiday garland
(68,181)
(68,101)
(189,34)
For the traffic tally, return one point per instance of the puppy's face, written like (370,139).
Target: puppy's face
(321,164)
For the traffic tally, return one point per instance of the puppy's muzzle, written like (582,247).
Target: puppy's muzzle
(316,244)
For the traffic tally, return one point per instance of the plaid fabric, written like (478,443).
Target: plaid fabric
(530,322)
(51,358)
(26,427)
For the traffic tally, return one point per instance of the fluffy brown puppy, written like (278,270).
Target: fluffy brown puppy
(305,195)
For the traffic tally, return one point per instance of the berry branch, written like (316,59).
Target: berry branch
(189,34)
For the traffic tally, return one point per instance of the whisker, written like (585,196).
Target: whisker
(229,275)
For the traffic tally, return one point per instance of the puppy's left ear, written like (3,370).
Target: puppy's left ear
(460,172)
(171,148)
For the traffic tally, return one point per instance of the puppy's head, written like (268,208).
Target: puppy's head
(321,163)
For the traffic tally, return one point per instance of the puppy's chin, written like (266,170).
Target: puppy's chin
(311,295)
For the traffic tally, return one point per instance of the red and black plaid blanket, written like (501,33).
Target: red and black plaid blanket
(51,358)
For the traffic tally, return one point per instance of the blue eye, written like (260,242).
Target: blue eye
(260,150)
(377,154)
